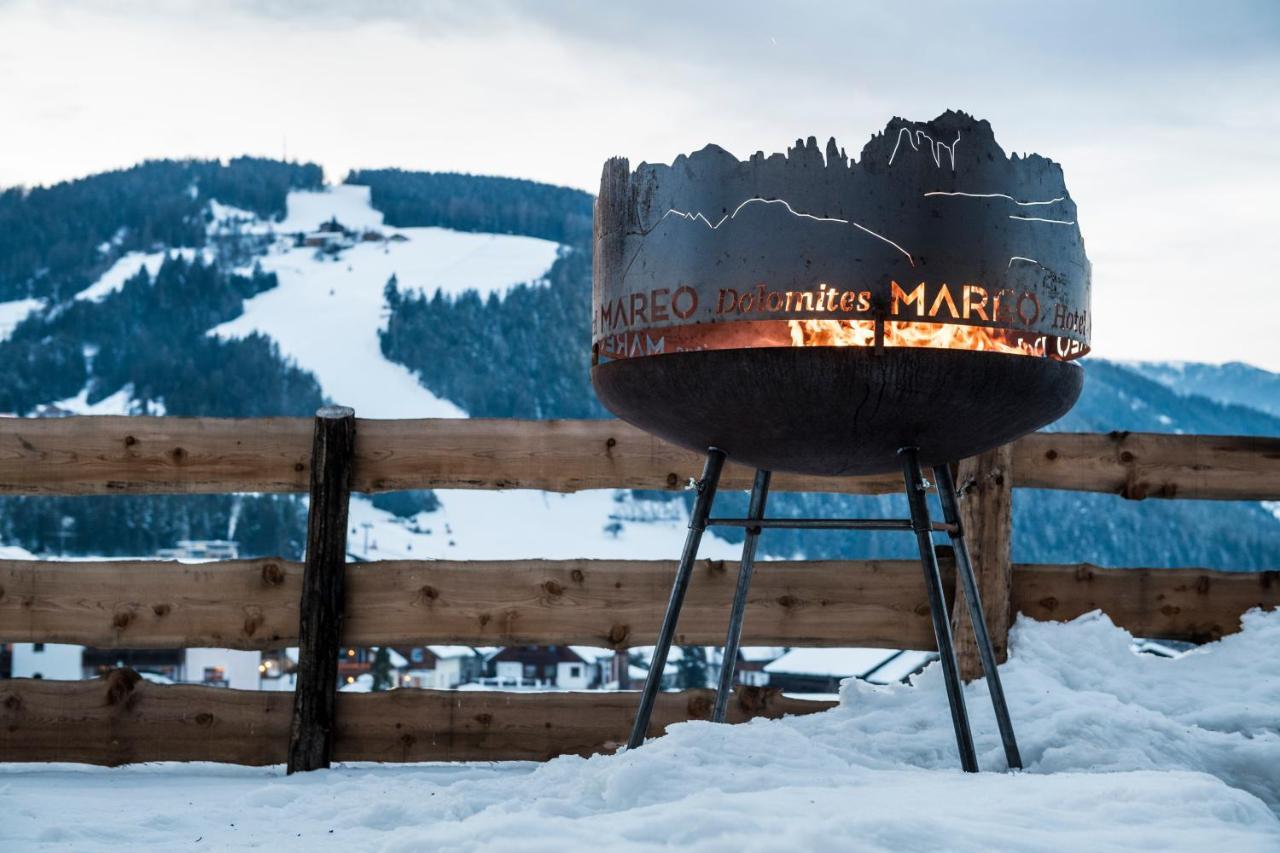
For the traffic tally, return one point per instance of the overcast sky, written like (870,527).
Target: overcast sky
(1165,115)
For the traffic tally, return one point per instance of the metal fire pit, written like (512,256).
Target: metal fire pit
(807,313)
(814,314)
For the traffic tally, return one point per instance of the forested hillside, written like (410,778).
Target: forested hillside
(147,338)
(139,525)
(54,241)
(150,335)
(479,203)
(521,356)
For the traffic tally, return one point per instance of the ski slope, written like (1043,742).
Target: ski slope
(326,312)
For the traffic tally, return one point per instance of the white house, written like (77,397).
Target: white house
(541,667)
(65,662)
(222,668)
(58,661)
(598,671)
(455,665)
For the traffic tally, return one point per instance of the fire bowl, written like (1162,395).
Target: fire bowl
(827,411)
(807,312)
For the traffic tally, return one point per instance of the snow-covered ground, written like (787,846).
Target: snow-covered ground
(119,403)
(335,332)
(1123,752)
(14,312)
(533,524)
(307,209)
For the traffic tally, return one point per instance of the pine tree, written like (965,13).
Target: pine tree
(383,678)
(391,293)
(691,669)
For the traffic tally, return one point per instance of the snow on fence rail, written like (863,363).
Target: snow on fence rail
(270,603)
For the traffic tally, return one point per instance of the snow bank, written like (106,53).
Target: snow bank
(1123,751)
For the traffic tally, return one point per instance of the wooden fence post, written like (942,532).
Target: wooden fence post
(986,513)
(620,666)
(320,627)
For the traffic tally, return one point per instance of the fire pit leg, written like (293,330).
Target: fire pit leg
(964,568)
(917,491)
(697,524)
(729,661)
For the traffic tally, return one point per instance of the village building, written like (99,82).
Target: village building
(751,663)
(457,665)
(201,549)
(215,667)
(540,667)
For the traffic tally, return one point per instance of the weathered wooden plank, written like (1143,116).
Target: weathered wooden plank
(323,590)
(559,456)
(1151,465)
(985,483)
(237,604)
(1198,605)
(123,719)
(111,455)
(253,604)
(114,455)
(433,725)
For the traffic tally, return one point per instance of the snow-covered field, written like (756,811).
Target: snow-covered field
(327,312)
(14,312)
(1123,752)
(534,524)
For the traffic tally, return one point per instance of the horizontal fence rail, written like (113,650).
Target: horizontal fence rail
(113,455)
(123,719)
(253,604)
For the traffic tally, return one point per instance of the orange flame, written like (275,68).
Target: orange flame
(833,333)
(955,336)
(900,333)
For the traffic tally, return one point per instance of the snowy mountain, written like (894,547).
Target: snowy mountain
(1234,383)
(251,288)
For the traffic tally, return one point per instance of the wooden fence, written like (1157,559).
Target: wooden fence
(273,603)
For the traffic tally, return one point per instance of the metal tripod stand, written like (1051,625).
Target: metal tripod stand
(919,523)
